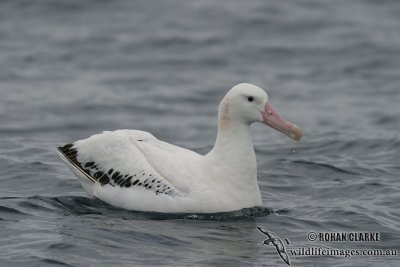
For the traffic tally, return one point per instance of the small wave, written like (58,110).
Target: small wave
(76,205)
(55,262)
(60,246)
(324,165)
(4,209)
(29,204)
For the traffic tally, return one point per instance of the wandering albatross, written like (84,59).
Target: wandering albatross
(132,169)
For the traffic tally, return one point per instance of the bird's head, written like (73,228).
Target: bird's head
(246,103)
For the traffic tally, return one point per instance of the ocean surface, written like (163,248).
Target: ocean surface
(72,68)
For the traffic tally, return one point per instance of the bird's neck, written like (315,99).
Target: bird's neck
(234,149)
(232,161)
(234,138)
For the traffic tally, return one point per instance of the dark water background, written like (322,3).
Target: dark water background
(70,69)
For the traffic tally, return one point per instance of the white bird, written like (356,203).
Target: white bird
(134,170)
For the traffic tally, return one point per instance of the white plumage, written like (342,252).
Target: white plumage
(134,170)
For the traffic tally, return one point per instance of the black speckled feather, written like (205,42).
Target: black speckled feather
(113,177)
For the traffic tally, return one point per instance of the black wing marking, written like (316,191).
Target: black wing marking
(115,178)
(70,154)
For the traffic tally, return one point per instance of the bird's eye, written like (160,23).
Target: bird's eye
(250,98)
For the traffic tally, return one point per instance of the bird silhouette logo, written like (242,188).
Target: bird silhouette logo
(273,239)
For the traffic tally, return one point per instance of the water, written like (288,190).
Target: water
(70,69)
